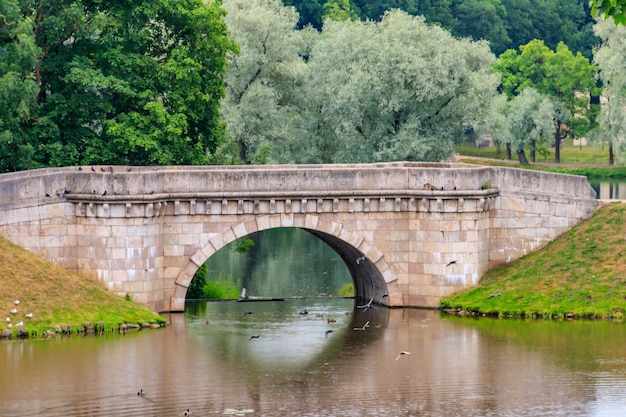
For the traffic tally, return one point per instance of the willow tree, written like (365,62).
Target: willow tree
(530,118)
(611,59)
(263,77)
(116,82)
(565,77)
(397,89)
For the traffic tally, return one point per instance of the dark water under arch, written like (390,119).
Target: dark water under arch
(284,262)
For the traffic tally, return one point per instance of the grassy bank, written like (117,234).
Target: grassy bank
(581,274)
(56,297)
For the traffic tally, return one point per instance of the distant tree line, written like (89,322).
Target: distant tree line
(506,24)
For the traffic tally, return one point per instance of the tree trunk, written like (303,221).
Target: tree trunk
(557,143)
(611,156)
(508,151)
(522,157)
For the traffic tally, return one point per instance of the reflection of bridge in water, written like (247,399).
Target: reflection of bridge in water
(425,230)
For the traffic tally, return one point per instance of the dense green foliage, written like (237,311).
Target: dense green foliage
(221,288)
(615,9)
(397,89)
(504,23)
(567,78)
(611,59)
(110,82)
(196,286)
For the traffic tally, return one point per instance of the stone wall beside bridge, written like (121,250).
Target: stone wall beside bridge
(427,230)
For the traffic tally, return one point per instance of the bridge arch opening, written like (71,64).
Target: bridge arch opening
(374,280)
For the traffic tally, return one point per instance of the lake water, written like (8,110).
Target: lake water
(456,366)
(609,190)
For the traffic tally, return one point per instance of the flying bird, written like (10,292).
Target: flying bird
(247,313)
(451,263)
(254,336)
(368,305)
(365,326)
(402,353)
(328,332)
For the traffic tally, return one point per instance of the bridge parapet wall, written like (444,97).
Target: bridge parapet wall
(153,228)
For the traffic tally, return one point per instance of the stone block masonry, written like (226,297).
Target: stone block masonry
(426,230)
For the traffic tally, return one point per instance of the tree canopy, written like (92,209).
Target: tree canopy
(397,89)
(615,9)
(611,59)
(505,24)
(110,82)
(565,77)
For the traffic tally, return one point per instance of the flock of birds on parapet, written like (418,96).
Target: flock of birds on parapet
(64,192)
(13,312)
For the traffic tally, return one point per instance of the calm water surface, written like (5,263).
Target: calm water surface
(456,366)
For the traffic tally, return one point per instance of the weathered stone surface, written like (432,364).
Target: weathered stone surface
(154,228)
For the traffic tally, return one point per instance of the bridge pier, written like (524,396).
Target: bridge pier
(424,230)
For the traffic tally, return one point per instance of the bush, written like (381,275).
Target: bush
(196,286)
(347,290)
(222,289)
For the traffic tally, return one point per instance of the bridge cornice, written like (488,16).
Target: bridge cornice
(154,205)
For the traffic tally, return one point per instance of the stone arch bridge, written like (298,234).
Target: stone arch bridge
(425,230)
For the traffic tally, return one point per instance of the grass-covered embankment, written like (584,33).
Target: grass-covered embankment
(580,274)
(57,297)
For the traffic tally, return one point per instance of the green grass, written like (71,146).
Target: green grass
(57,297)
(589,161)
(221,288)
(346,290)
(581,274)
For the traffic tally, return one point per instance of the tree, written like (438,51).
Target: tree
(263,78)
(116,82)
(18,88)
(615,9)
(567,78)
(397,89)
(339,10)
(530,118)
(482,19)
(611,58)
